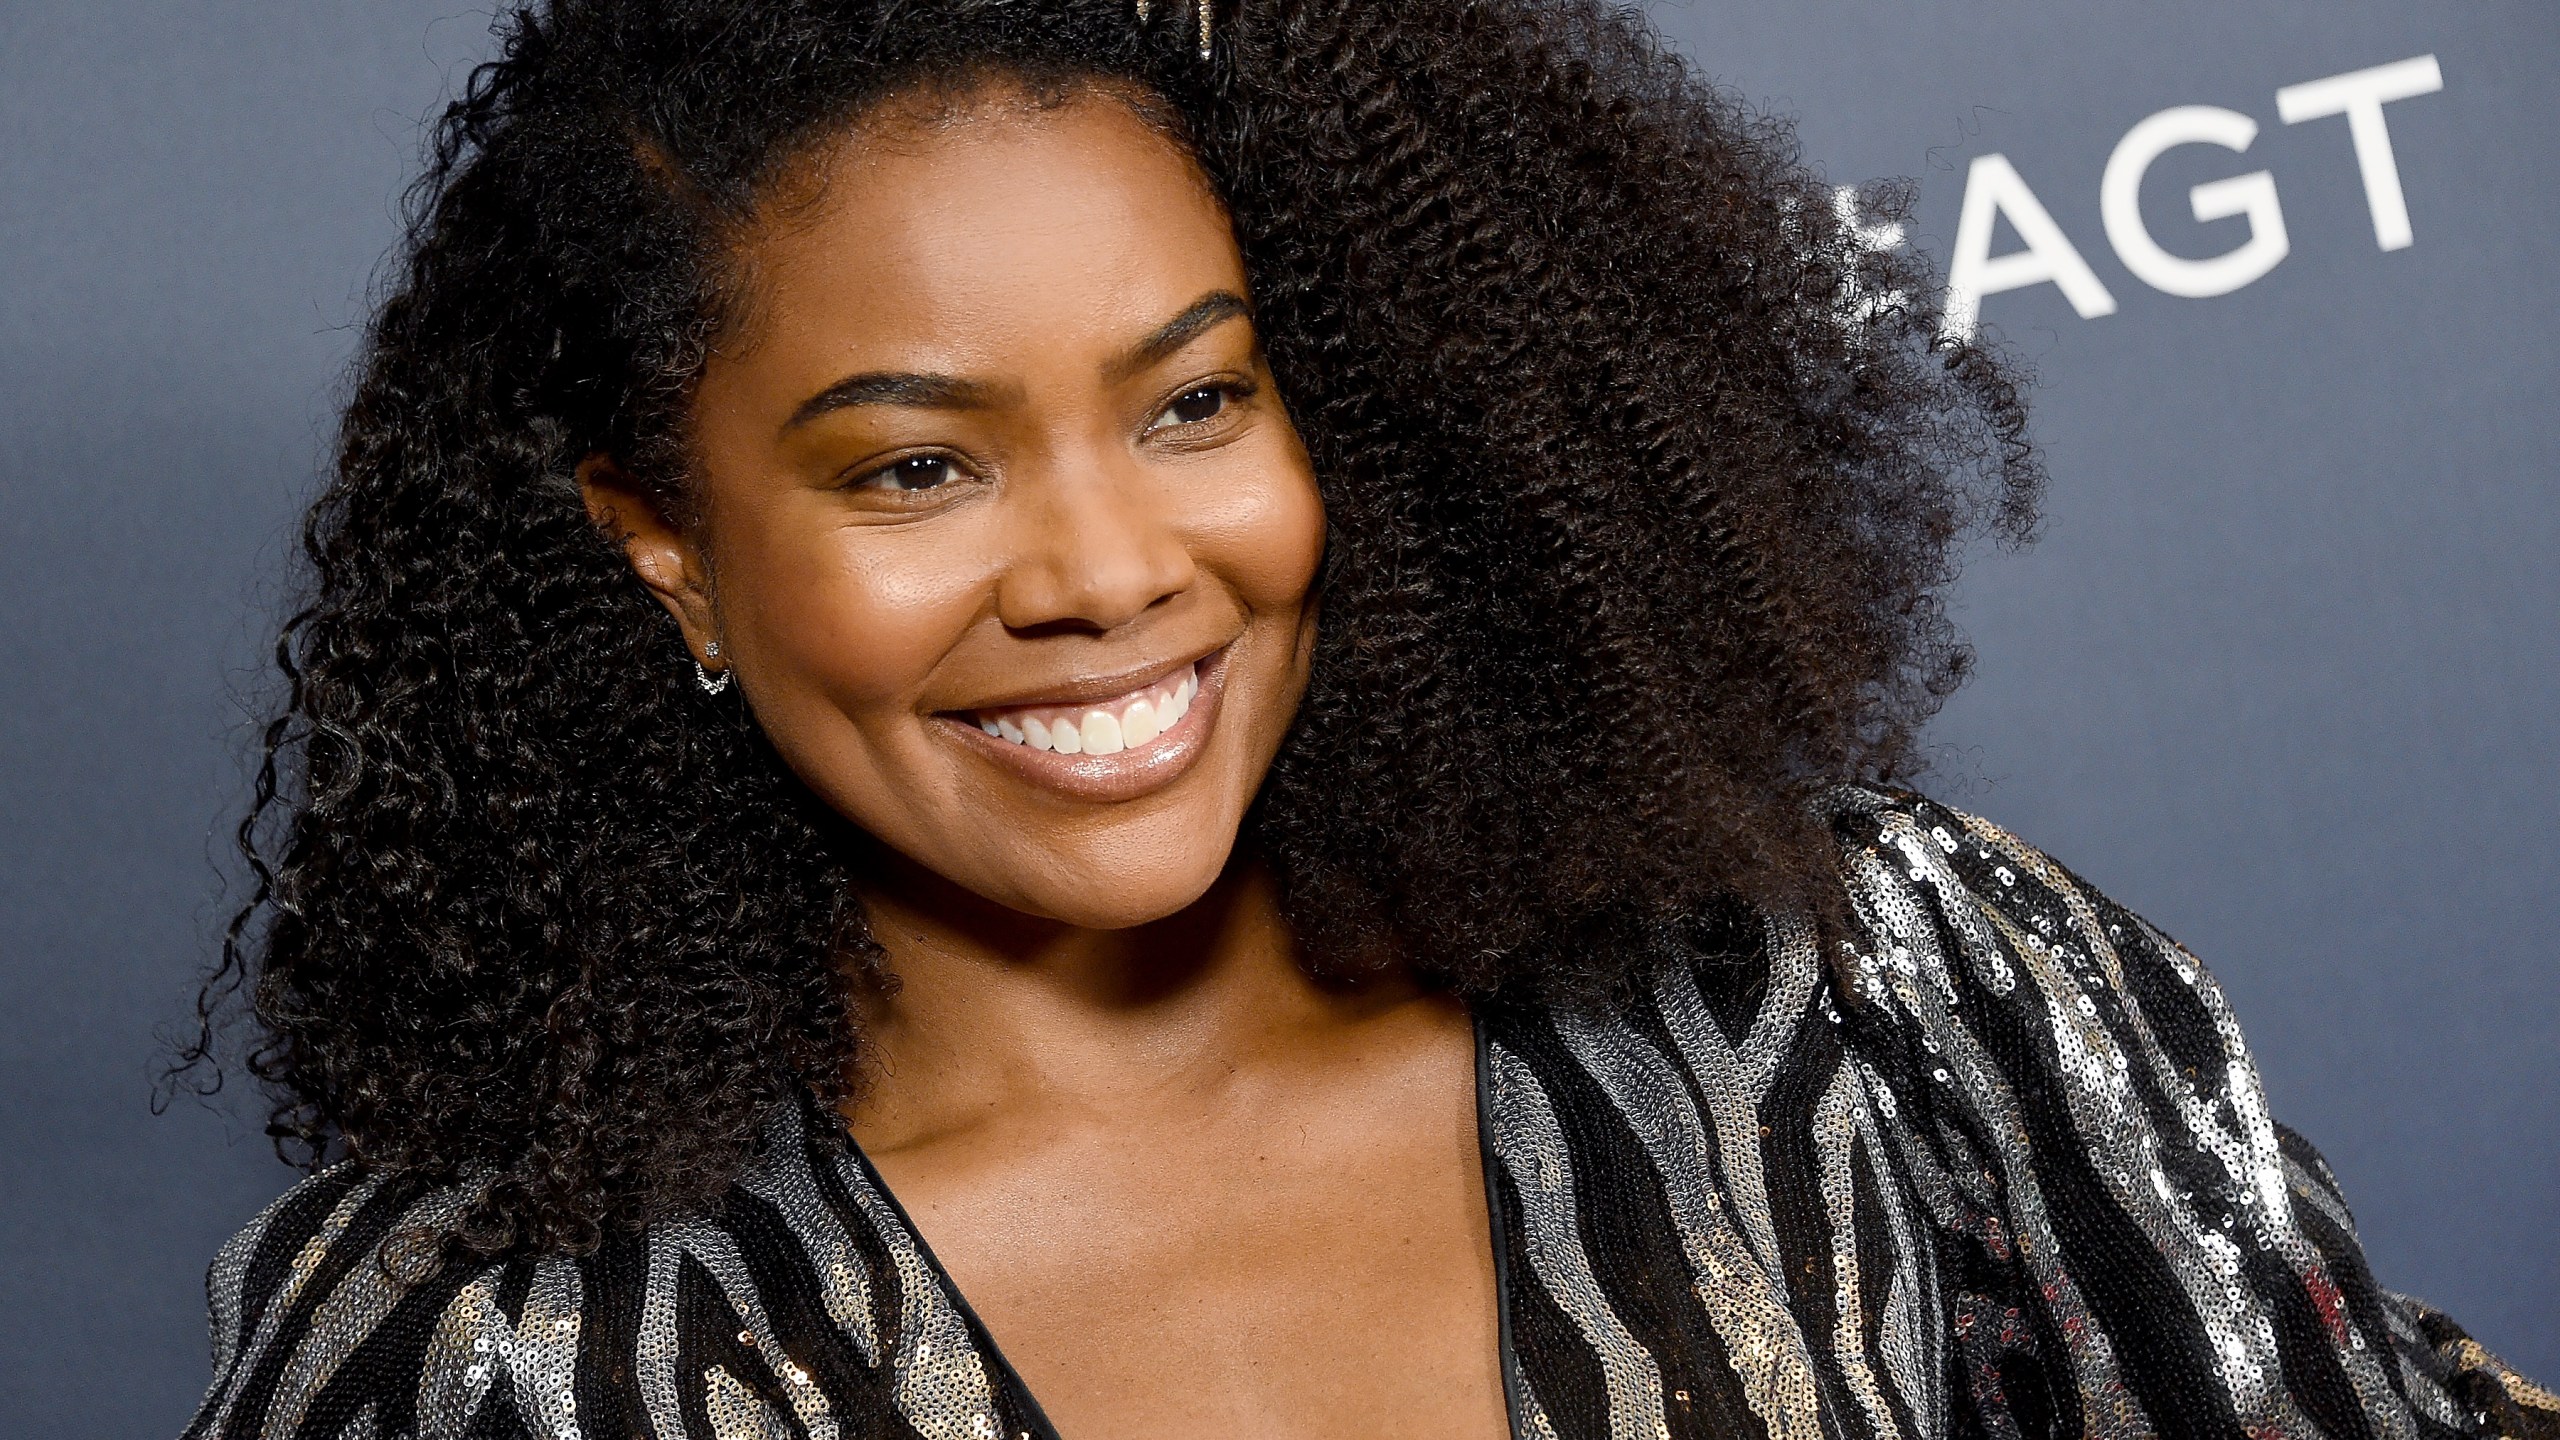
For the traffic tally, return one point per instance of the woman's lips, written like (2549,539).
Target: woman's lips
(1117,748)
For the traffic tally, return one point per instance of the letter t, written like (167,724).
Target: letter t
(2360,95)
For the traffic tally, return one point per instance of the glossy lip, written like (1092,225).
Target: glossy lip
(1105,779)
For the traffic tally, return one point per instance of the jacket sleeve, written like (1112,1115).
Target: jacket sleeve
(2134,1236)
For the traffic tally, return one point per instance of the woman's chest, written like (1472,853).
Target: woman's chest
(1331,1275)
(1354,1301)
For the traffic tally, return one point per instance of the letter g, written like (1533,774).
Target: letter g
(2252,195)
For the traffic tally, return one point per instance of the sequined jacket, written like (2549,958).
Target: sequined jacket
(2024,1183)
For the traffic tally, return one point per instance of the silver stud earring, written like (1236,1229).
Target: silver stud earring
(711,681)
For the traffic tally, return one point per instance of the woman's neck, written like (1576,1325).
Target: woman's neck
(996,1014)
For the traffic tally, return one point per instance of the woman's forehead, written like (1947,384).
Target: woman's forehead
(983,226)
(979,134)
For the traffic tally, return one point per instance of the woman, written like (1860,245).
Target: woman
(1021,717)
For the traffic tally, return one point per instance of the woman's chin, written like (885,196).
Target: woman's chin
(1130,870)
(1107,899)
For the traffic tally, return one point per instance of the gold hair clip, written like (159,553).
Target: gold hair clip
(1146,12)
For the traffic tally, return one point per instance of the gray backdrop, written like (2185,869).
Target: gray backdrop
(2280,675)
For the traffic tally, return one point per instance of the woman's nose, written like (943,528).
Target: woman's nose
(1093,548)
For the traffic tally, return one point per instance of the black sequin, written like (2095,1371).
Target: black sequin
(2023,1184)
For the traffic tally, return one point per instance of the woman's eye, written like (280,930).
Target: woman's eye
(1203,402)
(913,473)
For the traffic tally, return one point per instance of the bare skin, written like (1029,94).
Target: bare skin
(998,451)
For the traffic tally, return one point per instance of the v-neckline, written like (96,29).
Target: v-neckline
(992,1354)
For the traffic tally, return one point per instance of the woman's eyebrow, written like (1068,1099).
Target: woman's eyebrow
(1200,316)
(950,392)
(893,387)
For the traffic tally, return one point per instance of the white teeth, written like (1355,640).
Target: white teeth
(1138,724)
(1139,721)
(1101,733)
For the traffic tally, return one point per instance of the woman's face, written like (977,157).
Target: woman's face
(1002,526)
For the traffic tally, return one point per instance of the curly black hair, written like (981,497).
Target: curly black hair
(1644,479)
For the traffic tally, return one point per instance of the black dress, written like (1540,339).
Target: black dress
(2023,1184)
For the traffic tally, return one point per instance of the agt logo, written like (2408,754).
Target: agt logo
(1994,189)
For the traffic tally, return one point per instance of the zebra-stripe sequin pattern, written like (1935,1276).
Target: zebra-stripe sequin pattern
(2018,1178)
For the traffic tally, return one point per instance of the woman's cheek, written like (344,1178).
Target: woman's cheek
(868,612)
(1276,543)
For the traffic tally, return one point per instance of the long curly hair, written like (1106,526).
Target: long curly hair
(1644,478)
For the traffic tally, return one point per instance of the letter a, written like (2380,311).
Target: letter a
(1992,188)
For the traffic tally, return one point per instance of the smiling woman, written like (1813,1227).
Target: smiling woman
(992,495)
(1263,810)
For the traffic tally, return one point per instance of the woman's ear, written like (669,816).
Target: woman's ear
(661,553)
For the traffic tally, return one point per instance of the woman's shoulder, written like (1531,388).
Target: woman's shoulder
(2195,1256)
(801,1297)
(1950,905)
(2010,1123)
(299,1298)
